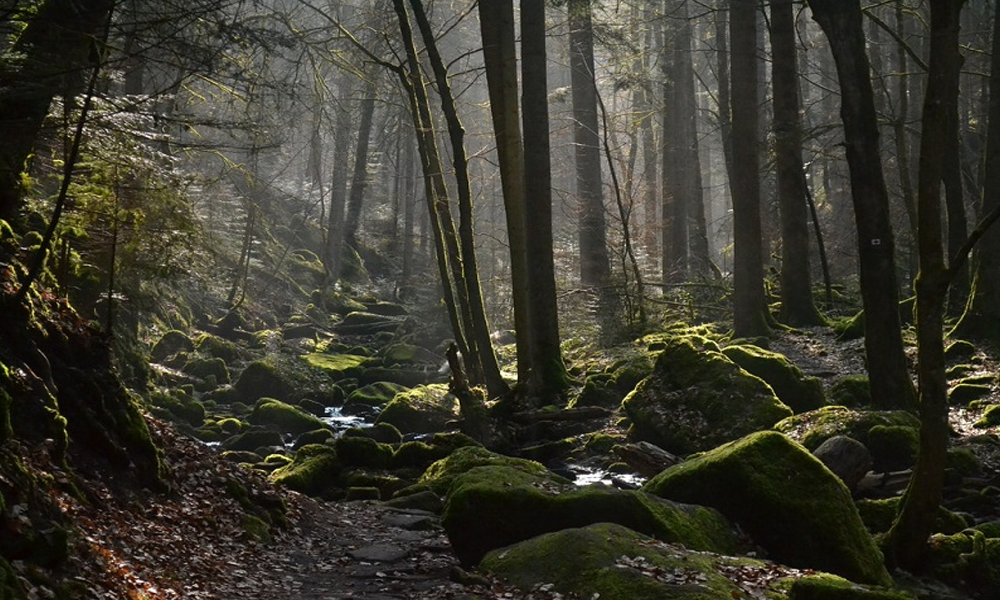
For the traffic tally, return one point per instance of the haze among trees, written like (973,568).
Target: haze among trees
(573,212)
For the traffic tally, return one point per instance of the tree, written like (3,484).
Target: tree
(57,46)
(750,307)
(797,306)
(888,373)
(909,534)
(595,269)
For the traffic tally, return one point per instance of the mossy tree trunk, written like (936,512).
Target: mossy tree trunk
(841,21)
(908,536)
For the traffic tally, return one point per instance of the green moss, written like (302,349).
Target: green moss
(697,398)
(852,391)
(785,499)
(878,516)
(522,505)
(423,409)
(253,439)
(440,475)
(822,586)
(611,562)
(313,470)
(339,366)
(380,432)
(374,394)
(959,350)
(816,426)
(363,452)
(214,346)
(316,436)
(256,529)
(792,387)
(171,343)
(230,425)
(990,418)
(204,368)
(180,407)
(285,417)
(893,447)
(10,587)
(262,379)
(850,328)
(965,393)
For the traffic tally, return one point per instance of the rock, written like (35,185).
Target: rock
(363,452)
(816,426)
(425,500)
(846,457)
(382,432)
(893,447)
(411,520)
(793,388)
(696,398)
(878,516)
(421,454)
(284,417)
(379,553)
(522,505)
(611,562)
(647,459)
(170,344)
(852,391)
(423,409)
(338,366)
(262,379)
(440,475)
(216,347)
(253,439)
(959,350)
(313,470)
(964,393)
(823,586)
(316,436)
(203,368)
(367,323)
(785,499)
(373,395)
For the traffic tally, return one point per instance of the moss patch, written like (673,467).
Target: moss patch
(792,387)
(440,475)
(284,417)
(423,409)
(852,391)
(816,426)
(785,499)
(338,366)
(313,470)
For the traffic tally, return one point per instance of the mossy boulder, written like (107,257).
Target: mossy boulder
(316,436)
(382,432)
(611,562)
(969,560)
(368,323)
(852,391)
(419,455)
(338,366)
(522,505)
(170,344)
(697,398)
(990,418)
(816,426)
(790,384)
(253,439)
(264,379)
(879,514)
(442,473)
(959,350)
(893,447)
(823,586)
(178,406)
(423,409)
(216,347)
(386,309)
(964,393)
(205,368)
(372,396)
(408,354)
(363,452)
(785,499)
(314,470)
(284,417)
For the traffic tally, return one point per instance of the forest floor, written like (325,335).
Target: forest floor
(193,542)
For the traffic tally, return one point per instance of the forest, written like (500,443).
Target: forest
(476,299)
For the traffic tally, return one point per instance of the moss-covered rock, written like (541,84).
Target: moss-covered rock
(440,475)
(785,499)
(179,407)
(171,343)
(215,347)
(696,398)
(253,439)
(374,395)
(314,470)
(893,447)
(423,409)
(205,368)
(823,586)
(522,505)
(990,418)
(792,386)
(816,426)
(338,366)
(967,559)
(612,562)
(959,350)
(964,393)
(264,379)
(852,391)
(284,417)
(316,436)
(381,432)
(363,452)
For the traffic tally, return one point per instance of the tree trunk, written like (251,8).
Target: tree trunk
(797,306)
(480,332)
(496,18)
(981,320)
(359,180)
(548,372)
(908,537)
(594,264)
(333,257)
(750,307)
(887,368)
(674,242)
(57,46)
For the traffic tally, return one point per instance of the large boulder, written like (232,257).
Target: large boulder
(423,409)
(847,458)
(284,417)
(790,384)
(785,499)
(370,399)
(696,398)
(611,562)
(520,505)
(314,470)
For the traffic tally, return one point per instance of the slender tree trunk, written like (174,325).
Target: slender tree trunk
(548,372)
(958,225)
(409,246)
(750,307)
(650,152)
(887,368)
(496,19)
(900,134)
(333,257)
(480,333)
(594,264)
(359,180)
(981,320)
(674,242)
(797,306)
(909,534)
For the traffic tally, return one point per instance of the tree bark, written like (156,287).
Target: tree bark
(888,375)
(797,306)
(594,264)
(359,180)
(750,306)
(908,536)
